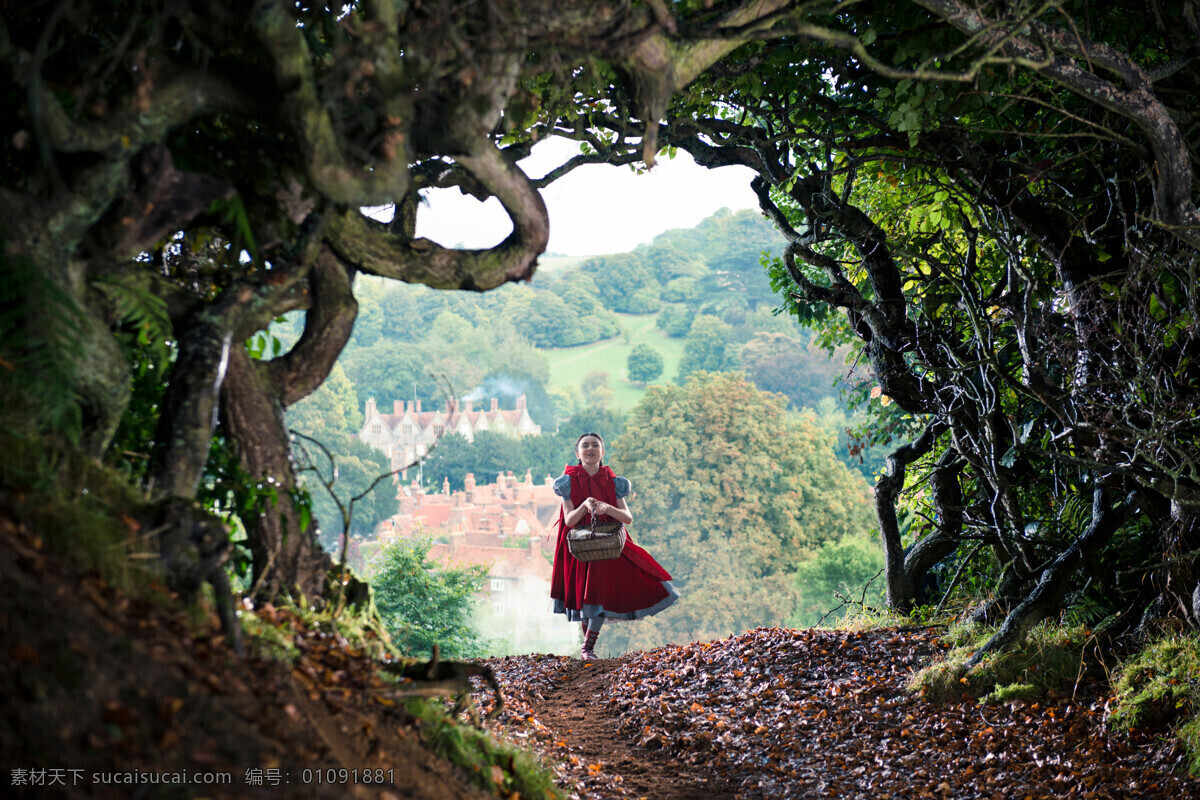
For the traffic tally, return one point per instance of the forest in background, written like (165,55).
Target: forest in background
(696,306)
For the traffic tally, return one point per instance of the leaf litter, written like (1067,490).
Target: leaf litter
(782,713)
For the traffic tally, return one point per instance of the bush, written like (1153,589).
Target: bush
(423,603)
(846,566)
(644,364)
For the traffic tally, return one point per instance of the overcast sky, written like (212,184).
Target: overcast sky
(596,209)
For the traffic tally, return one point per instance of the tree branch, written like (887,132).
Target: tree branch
(370,248)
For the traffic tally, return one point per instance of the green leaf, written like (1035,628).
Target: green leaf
(1009,458)
(1156,309)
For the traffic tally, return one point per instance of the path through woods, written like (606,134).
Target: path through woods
(780,713)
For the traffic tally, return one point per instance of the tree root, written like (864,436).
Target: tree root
(437,678)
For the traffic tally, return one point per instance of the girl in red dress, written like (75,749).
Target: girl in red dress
(589,592)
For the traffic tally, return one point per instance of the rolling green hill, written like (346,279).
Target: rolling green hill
(569,365)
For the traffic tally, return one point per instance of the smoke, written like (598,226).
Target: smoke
(498,386)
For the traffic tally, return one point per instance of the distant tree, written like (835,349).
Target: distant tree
(646,300)
(333,408)
(681,290)
(424,603)
(450,460)
(546,454)
(851,566)
(675,320)
(357,466)
(400,308)
(497,453)
(708,348)
(732,493)
(490,454)
(628,280)
(604,421)
(596,391)
(644,364)
(782,363)
(387,370)
(368,327)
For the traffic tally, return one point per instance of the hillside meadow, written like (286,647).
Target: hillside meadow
(570,365)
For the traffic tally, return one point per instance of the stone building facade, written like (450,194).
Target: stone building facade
(407,433)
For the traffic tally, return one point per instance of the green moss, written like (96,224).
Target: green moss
(82,509)
(1189,734)
(1014,691)
(267,641)
(1052,657)
(494,766)
(1159,684)
(1160,687)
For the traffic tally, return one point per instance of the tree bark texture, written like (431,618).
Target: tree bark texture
(287,561)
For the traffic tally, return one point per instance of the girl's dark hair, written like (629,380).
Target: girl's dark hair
(584,436)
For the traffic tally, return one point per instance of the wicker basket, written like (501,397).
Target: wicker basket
(598,542)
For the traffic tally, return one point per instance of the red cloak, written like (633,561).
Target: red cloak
(622,586)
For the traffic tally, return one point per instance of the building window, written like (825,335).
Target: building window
(376,429)
(438,430)
(408,430)
(497,584)
(498,609)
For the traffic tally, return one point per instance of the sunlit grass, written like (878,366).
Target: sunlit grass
(570,365)
(1053,657)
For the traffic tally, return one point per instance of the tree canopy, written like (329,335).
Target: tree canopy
(182,175)
(995,203)
(731,493)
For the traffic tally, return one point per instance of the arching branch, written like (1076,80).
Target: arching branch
(369,247)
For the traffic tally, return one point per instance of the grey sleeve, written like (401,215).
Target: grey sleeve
(562,486)
(623,486)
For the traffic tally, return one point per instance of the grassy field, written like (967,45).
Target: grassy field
(569,365)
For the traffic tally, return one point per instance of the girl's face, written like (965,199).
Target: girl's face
(590,451)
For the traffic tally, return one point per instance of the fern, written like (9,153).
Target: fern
(41,333)
(144,322)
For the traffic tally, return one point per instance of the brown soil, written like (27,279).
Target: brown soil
(609,764)
(99,687)
(780,713)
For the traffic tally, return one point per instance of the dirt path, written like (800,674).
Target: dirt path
(566,710)
(578,707)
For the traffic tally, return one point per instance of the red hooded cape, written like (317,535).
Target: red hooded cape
(630,583)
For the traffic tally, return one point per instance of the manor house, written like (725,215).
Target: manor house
(407,433)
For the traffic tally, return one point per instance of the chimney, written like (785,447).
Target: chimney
(408,407)
(370,407)
(470,403)
(521,403)
(418,406)
(495,404)
(397,407)
(469,487)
